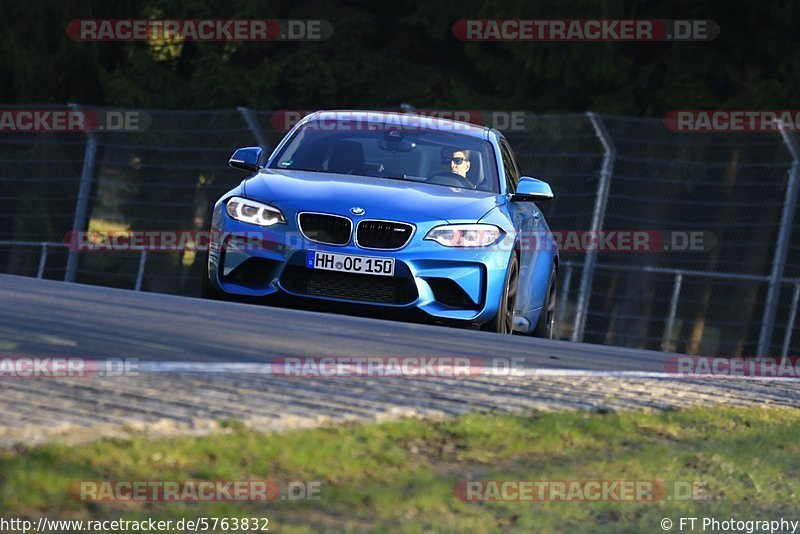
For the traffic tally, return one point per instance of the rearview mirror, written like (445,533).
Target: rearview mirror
(531,189)
(246,159)
(397,146)
(393,141)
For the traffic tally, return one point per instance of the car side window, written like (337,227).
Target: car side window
(510,168)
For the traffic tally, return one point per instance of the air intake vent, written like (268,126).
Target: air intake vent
(348,286)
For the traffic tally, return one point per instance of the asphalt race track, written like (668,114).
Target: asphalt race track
(196,351)
(48,318)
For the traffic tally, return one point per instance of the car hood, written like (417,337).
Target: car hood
(381,198)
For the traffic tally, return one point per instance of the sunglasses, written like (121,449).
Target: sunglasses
(457,161)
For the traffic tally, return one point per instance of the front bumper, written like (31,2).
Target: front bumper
(444,283)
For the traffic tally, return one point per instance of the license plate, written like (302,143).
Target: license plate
(346,263)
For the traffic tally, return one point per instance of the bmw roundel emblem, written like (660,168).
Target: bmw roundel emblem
(357,211)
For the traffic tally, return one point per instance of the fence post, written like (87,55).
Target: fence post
(787,336)
(781,248)
(140,272)
(673,309)
(254,127)
(564,292)
(598,216)
(42,261)
(82,205)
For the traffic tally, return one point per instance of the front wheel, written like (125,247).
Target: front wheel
(503,321)
(544,327)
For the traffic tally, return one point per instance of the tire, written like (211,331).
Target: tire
(503,321)
(544,327)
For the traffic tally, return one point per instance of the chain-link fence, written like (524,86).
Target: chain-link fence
(738,297)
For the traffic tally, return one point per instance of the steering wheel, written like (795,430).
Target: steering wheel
(450,178)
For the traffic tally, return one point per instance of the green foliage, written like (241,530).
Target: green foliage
(384,53)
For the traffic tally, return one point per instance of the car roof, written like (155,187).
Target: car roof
(430,122)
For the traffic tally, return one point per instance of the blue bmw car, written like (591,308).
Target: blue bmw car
(391,213)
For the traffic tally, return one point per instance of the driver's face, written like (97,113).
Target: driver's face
(458,163)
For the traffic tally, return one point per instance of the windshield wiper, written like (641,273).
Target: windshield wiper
(405,177)
(297,169)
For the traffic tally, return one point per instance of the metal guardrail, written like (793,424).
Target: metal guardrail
(46,245)
(679,275)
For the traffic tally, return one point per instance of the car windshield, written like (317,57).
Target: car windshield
(428,156)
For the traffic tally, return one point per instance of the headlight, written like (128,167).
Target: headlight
(465,235)
(253,212)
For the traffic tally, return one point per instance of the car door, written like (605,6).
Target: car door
(526,217)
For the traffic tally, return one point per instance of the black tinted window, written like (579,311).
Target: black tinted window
(415,155)
(510,167)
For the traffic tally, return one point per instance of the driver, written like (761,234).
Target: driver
(456,161)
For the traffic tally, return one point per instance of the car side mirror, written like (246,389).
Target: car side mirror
(246,159)
(531,189)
